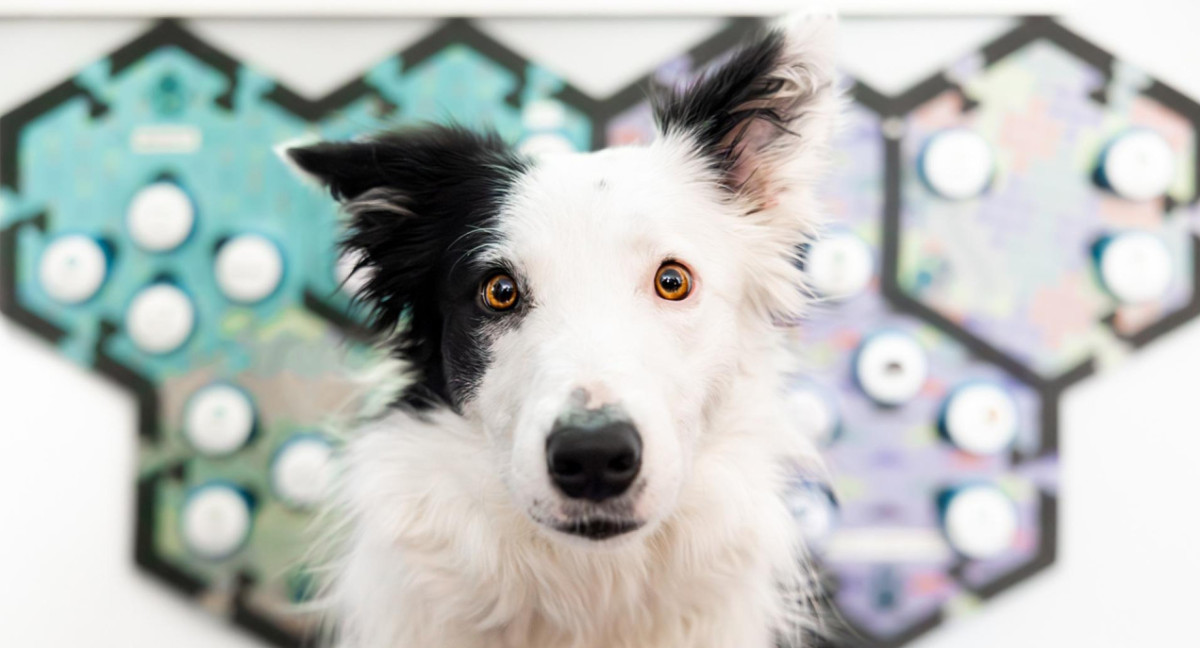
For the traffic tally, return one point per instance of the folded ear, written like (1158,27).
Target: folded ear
(763,120)
(413,198)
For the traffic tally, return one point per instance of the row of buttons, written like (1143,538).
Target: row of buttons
(248,268)
(891,368)
(959,164)
(979,521)
(217,517)
(1134,267)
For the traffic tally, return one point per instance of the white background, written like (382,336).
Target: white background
(1129,567)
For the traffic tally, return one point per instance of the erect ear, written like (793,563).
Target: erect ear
(410,196)
(763,120)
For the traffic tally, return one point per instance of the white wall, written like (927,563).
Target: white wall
(1129,566)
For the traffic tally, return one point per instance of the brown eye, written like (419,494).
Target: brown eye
(500,292)
(673,281)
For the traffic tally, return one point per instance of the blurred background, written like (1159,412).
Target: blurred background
(1014,198)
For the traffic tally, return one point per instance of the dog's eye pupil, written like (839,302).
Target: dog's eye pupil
(673,281)
(500,292)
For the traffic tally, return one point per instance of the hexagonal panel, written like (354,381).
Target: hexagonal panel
(1004,208)
(151,234)
(910,420)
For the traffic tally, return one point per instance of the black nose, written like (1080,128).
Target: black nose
(594,463)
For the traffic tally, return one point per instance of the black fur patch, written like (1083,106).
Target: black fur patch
(421,202)
(718,107)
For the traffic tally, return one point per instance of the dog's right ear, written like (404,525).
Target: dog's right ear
(410,195)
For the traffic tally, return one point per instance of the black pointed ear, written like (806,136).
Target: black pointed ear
(413,199)
(764,118)
(348,169)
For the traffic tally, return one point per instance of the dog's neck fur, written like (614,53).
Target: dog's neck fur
(453,563)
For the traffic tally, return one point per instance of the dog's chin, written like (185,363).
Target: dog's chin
(597,530)
(591,531)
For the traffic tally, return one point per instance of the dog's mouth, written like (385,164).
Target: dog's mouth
(597,529)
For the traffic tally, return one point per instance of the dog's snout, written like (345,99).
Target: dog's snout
(594,462)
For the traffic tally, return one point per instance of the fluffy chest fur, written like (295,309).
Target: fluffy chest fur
(438,556)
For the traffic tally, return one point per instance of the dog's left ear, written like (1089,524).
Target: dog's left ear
(763,120)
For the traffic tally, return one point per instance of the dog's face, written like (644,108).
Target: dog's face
(587,311)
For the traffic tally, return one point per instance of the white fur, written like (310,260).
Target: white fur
(446,541)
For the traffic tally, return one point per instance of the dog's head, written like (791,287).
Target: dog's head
(588,311)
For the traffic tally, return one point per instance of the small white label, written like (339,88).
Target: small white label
(166,138)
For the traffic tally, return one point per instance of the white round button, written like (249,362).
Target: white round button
(216,521)
(980,522)
(249,268)
(72,268)
(160,318)
(814,415)
(543,115)
(349,275)
(891,368)
(160,217)
(546,144)
(1139,165)
(839,265)
(218,420)
(981,418)
(957,164)
(302,471)
(814,511)
(1135,267)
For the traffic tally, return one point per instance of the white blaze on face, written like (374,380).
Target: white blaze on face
(584,237)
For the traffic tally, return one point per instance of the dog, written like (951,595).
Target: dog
(595,448)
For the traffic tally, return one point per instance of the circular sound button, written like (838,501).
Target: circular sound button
(160,217)
(72,268)
(249,268)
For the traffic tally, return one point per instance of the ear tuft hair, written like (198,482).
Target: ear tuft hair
(764,118)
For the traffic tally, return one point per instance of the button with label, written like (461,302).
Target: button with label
(980,418)
(1135,267)
(980,521)
(891,367)
(219,419)
(249,268)
(815,414)
(839,265)
(302,471)
(215,521)
(160,217)
(1138,165)
(72,269)
(957,164)
(160,318)
(813,508)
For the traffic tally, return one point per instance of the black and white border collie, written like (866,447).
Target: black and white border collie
(595,448)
